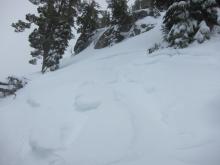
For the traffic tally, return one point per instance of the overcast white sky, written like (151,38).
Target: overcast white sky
(14,48)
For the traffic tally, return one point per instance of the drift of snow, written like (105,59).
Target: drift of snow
(119,106)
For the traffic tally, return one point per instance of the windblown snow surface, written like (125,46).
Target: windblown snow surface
(119,106)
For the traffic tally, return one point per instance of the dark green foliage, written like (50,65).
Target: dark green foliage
(189,20)
(142,4)
(178,27)
(120,14)
(137,5)
(52,31)
(147,3)
(105,19)
(176,13)
(20,26)
(204,10)
(87,23)
(11,86)
(123,24)
(162,4)
(154,48)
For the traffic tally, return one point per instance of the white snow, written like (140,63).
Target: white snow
(119,106)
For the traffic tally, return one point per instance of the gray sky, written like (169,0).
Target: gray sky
(14,48)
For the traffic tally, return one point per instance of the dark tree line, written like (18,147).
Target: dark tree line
(184,22)
(55,19)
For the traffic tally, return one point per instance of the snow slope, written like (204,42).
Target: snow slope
(119,106)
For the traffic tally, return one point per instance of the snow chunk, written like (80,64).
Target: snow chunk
(203,32)
(84,103)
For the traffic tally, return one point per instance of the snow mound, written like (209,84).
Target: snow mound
(119,106)
(86,103)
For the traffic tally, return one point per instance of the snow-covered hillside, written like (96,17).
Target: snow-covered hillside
(119,106)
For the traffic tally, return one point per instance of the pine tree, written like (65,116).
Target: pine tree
(120,14)
(143,4)
(137,5)
(147,3)
(206,13)
(178,26)
(52,30)
(162,4)
(105,19)
(204,10)
(87,23)
(189,20)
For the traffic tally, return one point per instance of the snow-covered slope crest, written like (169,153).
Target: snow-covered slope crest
(119,106)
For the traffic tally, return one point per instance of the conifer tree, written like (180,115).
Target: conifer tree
(87,23)
(120,14)
(178,27)
(189,20)
(204,10)
(137,5)
(105,19)
(147,3)
(162,4)
(143,4)
(206,13)
(52,30)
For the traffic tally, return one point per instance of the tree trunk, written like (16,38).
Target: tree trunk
(44,66)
